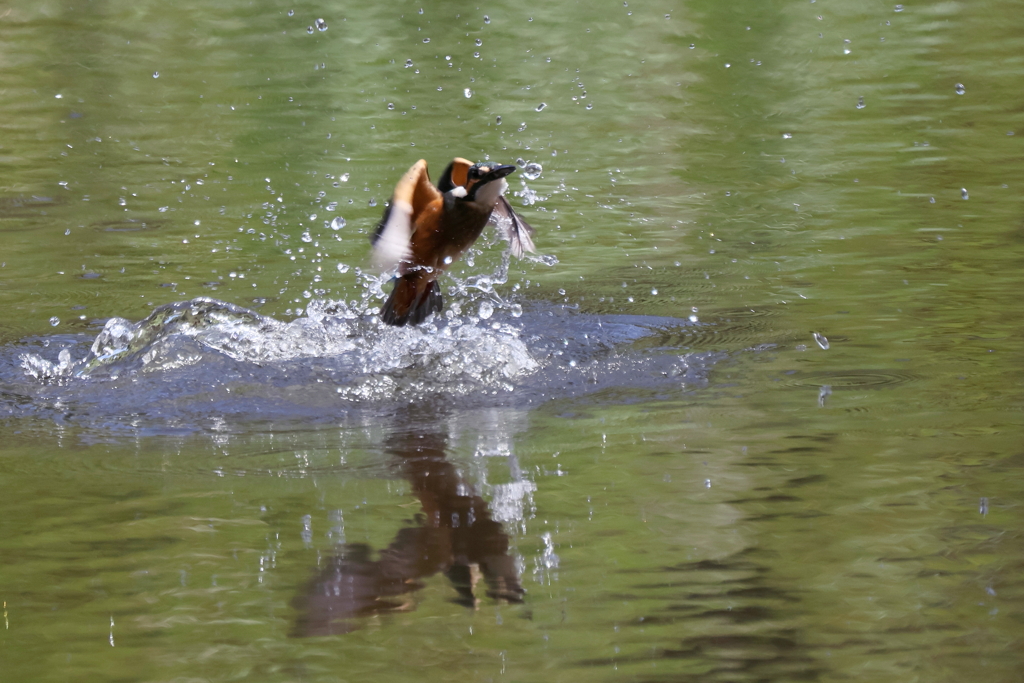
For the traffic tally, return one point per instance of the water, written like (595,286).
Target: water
(754,414)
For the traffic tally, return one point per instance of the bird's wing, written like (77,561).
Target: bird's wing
(512,228)
(391,240)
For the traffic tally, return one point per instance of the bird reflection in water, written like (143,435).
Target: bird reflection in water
(456,535)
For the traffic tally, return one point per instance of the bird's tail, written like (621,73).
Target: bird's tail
(412,300)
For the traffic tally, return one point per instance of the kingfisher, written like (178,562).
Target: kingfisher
(426,228)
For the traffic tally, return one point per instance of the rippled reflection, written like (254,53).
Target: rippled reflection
(455,534)
(730,617)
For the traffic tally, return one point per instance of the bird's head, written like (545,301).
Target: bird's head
(480,183)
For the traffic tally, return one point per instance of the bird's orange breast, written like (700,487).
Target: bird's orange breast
(439,235)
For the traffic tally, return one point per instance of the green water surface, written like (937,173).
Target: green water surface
(850,168)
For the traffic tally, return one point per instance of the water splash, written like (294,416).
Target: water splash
(207,364)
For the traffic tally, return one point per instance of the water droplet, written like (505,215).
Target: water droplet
(373,202)
(590,105)
(343,177)
(332,206)
(931,200)
(960,90)
(541,106)
(654,291)
(787,136)
(306,237)
(487,19)
(291,13)
(692,46)
(707,483)
(320,24)
(156,74)
(338,223)
(486,310)
(468,93)
(497,119)
(860,103)
(963,192)
(532,170)
(898,8)
(309,30)
(516,310)
(478,42)
(55,321)
(408,63)
(822,341)
(391,105)
(342,267)
(426,40)
(421,10)
(561,292)
(476,55)
(693,318)
(522,127)
(121,202)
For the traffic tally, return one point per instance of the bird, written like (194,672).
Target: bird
(425,228)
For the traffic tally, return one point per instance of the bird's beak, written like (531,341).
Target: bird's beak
(495,173)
